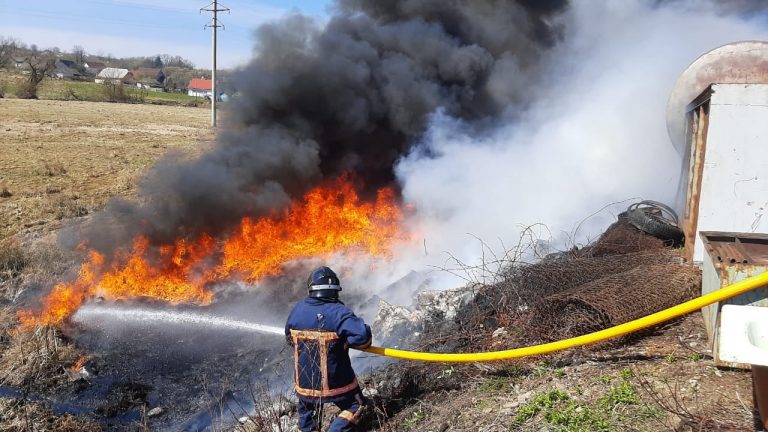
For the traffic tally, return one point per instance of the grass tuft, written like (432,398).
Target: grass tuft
(12,259)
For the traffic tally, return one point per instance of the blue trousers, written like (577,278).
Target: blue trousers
(346,420)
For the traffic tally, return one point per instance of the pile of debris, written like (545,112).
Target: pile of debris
(632,270)
(624,275)
(399,326)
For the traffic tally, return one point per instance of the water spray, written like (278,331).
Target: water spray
(92,314)
(89,312)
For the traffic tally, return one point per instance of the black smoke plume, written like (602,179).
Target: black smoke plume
(352,95)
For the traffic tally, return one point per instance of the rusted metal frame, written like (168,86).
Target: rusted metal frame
(695,176)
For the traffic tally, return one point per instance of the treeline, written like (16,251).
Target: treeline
(156,61)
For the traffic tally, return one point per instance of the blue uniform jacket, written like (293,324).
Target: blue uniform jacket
(321,331)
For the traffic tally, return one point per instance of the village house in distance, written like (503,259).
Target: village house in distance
(200,87)
(113,75)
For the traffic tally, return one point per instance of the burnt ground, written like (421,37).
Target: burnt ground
(192,374)
(197,377)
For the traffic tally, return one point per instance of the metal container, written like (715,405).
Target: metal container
(724,184)
(744,62)
(732,257)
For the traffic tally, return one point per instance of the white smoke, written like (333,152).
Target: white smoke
(595,135)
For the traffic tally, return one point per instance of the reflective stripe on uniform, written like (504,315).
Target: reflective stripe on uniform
(322,338)
(326,393)
(314,334)
(324,365)
(349,416)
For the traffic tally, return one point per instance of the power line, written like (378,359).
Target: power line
(70,17)
(214,7)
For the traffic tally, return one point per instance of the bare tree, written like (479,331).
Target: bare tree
(8,47)
(166,59)
(39,64)
(79,54)
(175,61)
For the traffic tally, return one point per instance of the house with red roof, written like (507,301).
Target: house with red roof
(200,87)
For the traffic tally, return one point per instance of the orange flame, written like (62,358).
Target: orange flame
(330,218)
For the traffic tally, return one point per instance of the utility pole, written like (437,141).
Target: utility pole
(214,7)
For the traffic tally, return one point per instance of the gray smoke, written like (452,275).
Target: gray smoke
(595,136)
(351,95)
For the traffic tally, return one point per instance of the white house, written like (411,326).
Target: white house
(114,75)
(200,87)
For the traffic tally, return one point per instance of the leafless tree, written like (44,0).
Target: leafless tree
(175,61)
(38,64)
(8,47)
(78,52)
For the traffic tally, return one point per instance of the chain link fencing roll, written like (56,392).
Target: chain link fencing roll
(615,299)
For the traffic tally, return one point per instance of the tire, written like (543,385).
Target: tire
(663,208)
(656,226)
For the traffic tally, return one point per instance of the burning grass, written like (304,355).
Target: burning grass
(331,218)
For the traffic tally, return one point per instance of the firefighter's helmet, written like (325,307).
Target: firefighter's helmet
(323,282)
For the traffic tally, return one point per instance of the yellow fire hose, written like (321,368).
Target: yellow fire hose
(619,330)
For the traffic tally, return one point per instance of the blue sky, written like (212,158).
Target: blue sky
(146,27)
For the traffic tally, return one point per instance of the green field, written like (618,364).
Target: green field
(53,89)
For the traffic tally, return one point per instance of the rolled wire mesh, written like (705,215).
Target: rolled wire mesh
(615,299)
(527,285)
(622,238)
(623,275)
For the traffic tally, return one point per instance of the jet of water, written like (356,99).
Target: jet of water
(94,313)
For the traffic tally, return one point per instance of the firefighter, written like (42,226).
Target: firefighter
(322,329)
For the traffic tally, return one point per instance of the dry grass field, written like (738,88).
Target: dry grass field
(60,160)
(64,159)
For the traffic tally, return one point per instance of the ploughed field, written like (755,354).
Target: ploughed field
(64,159)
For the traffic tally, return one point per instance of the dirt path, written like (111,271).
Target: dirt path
(63,159)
